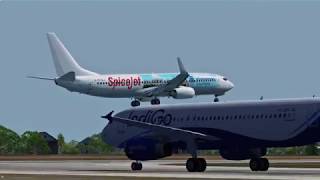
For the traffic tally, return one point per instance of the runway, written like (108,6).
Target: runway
(173,169)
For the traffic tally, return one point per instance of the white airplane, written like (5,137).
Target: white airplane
(239,130)
(140,87)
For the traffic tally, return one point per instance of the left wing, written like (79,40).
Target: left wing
(165,130)
(171,85)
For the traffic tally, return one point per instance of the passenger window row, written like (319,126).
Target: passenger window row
(237,117)
(155,81)
(202,80)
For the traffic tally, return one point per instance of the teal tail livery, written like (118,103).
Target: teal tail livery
(139,87)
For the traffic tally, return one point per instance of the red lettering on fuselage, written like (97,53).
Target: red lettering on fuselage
(124,81)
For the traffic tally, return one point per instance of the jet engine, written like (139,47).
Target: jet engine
(147,149)
(242,154)
(183,92)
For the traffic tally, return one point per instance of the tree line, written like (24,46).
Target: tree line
(32,143)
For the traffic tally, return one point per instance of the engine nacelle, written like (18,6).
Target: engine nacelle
(147,149)
(183,92)
(242,154)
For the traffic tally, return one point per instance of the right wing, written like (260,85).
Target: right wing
(171,85)
(160,129)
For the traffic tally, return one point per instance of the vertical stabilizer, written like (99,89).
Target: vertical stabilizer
(62,59)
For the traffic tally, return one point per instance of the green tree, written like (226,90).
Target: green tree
(70,148)
(9,141)
(94,145)
(34,143)
(311,150)
(61,143)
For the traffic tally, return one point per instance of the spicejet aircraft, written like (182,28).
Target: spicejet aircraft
(140,87)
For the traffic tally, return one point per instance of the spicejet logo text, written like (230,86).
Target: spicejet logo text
(120,81)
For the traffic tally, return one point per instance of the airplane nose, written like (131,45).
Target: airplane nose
(229,85)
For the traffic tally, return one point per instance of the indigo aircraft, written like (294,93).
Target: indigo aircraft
(239,130)
(139,87)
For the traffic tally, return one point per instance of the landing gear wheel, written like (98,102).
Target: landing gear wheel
(155,101)
(264,164)
(254,164)
(216,99)
(196,165)
(191,165)
(136,166)
(135,103)
(202,165)
(259,164)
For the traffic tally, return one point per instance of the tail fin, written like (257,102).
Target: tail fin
(63,61)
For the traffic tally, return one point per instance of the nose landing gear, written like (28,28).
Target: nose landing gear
(136,166)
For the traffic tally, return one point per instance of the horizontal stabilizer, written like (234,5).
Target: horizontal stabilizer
(70,76)
(108,116)
(42,78)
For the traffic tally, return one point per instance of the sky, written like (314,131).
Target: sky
(266,48)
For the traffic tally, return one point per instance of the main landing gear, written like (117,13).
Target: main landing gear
(196,164)
(259,164)
(200,165)
(136,166)
(216,99)
(135,103)
(155,101)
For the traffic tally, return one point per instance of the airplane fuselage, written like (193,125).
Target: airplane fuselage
(245,125)
(134,85)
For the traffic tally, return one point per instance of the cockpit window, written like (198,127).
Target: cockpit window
(224,78)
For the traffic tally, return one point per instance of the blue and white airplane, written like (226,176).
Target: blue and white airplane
(140,87)
(239,130)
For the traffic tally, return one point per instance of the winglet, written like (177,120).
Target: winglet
(108,116)
(181,67)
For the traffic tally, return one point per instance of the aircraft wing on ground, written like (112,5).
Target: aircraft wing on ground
(171,85)
(160,129)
